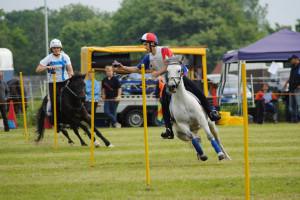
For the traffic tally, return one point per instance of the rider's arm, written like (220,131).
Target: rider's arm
(40,68)
(130,69)
(43,65)
(162,70)
(70,70)
(68,65)
(145,60)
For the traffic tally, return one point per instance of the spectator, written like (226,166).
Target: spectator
(111,94)
(294,88)
(88,91)
(3,96)
(266,102)
(213,88)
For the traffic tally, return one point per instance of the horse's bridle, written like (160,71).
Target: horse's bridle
(72,92)
(177,81)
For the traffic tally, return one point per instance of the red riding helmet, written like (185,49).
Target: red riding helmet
(149,37)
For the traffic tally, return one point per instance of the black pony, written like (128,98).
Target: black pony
(15,94)
(73,112)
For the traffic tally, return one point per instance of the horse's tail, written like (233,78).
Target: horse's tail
(40,120)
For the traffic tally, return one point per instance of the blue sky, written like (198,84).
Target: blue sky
(282,11)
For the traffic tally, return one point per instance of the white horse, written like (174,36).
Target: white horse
(188,115)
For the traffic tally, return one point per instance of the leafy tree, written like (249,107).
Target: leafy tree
(93,32)
(221,25)
(297,26)
(27,38)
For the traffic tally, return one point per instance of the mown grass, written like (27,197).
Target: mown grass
(31,171)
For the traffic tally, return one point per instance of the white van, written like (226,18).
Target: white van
(230,92)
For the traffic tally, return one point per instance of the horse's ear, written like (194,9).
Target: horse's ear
(83,76)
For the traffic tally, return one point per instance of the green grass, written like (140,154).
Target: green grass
(30,171)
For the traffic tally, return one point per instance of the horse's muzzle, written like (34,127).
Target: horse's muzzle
(172,88)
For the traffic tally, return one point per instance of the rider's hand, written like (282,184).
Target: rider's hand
(51,67)
(118,98)
(103,97)
(117,64)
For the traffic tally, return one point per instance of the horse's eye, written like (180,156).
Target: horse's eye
(179,71)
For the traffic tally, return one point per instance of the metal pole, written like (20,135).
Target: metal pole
(92,148)
(46,25)
(204,74)
(23,107)
(246,135)
(145,127)
(54,110)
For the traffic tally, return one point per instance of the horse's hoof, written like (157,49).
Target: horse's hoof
(83,144)
(168,134)
(221,156)
(97,144)
(111,146)
(202,157)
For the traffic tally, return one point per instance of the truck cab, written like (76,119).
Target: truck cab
(129,111)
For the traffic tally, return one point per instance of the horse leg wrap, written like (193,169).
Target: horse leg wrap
(215,145)
(196,144)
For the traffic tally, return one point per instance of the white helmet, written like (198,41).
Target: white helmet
(55,43)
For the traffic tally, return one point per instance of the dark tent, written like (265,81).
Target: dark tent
(278,46)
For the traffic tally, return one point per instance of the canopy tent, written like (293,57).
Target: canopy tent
(278,46)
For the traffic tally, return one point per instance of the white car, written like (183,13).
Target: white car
(230,92)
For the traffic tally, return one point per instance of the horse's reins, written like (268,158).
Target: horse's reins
(73,93)
(177,83)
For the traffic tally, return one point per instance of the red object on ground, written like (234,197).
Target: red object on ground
(12,119)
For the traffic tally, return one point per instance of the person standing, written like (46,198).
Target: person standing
(3,96)
(88,93)
(111,94)
(58,63)
(294,88)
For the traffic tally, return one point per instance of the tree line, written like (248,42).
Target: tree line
(221,25)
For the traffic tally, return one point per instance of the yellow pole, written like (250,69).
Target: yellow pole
(204,74)
(54,110)
(23,107)
(92,148)
(145,126)
(246,135)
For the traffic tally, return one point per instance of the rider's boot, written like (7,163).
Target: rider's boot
(214,115)
(168,134)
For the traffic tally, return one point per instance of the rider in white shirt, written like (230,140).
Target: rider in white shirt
(59,64)
(156,60)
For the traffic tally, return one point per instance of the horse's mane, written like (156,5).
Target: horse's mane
(77,75)
(173,61)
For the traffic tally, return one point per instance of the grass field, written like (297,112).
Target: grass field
(30,171)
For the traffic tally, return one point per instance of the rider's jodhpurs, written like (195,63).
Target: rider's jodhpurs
(59,86)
